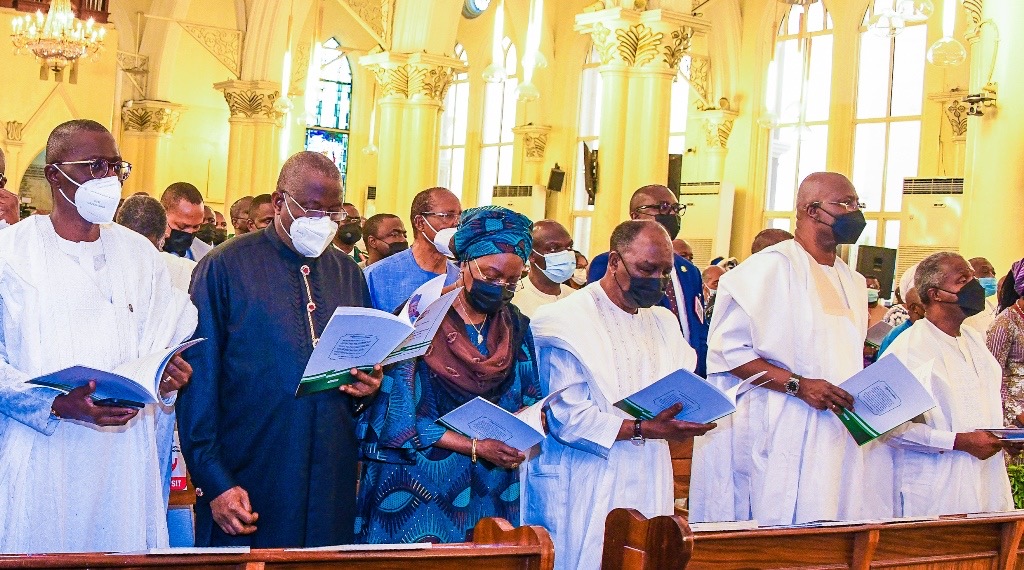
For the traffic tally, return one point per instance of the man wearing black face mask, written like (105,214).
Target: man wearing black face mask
(685,295)
(950,463)
(186,214)
(350,234)
(384,235)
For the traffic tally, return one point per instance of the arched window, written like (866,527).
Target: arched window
(588,126)
(887,131)
(680,108)
(797,97)
(499,118)
(328,134)
(452,155)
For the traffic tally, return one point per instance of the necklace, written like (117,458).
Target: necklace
(479,330)
(310,305)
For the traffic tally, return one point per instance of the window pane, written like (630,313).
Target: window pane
(873,81)
(580,198)
(333,145)
(892,234)
(590,103)
(492,113)
(870,235)
(789,81)
(488,174)
(448,119)
(505,164)
(508,113)
(781,224)
(869,164)
(781,193)
(581,235)
(813,144)
(677,144)
(904,145)
(908,71)
(458,171)
(680,106)
(819,79)
(444,167)
(461,100)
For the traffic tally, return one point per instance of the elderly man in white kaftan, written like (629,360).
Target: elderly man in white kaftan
(601,345)
(75,476)
(798,313)
(944,465)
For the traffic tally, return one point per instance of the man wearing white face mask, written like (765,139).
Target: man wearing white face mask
(552,263)
(272,470)
(434,217)
(77,290)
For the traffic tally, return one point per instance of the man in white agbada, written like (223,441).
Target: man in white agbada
(796,312)
(75,290)
(944,464)
(600,345)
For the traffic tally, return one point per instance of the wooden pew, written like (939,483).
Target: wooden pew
(496,545)
(951,543)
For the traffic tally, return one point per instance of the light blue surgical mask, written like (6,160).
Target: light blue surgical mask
(990,284)
(560,265)
(872,296)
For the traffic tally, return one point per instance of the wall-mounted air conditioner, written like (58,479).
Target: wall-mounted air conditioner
(707,225)
(529,200)
(932,219)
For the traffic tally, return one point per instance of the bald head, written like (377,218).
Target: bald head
(304,166)
(547,232)
(711,275)
(651,194)
(64,139)
(767,238)
(823,187)
(982,267)
(683,249)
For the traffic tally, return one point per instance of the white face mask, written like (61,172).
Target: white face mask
(579,276)
(561,266)
(872,295)
(310,237)
(96,199)
(442,240)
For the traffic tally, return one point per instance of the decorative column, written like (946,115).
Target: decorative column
(413,87)
(530,144)
(253,163)
(717,124)
(640,54)
(147,127)
(12,147)
(954,133)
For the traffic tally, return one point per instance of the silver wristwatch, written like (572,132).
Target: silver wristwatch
(793,385)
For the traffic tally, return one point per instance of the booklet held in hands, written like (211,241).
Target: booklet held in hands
(885,395)
(480,419)
(357,337)
(134,384)
(702,401)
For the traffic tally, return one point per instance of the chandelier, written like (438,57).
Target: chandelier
(57,39)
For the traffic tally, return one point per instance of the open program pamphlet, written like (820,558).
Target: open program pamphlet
(357,337)
(885,395)
(703,402)
(480,419)
(133,384)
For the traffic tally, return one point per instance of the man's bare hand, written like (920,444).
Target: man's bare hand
(233,513)
(176,375)
(823,395)
(981,444)
(78,405)
(665,426)
(365,384)
(10,207)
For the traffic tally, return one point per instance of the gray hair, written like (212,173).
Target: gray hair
(144,215)
(931,272)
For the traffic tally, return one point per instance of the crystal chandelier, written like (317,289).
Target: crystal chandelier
(57,38)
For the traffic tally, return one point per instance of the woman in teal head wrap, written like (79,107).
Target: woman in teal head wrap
(420,482)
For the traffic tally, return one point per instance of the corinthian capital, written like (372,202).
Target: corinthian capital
(251,100)
(654,39)
(415,77)
(145,116)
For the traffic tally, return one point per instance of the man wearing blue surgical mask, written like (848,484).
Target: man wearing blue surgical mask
(985,272)
(552,263)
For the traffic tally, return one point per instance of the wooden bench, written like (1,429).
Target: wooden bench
(496,545)
(951,543)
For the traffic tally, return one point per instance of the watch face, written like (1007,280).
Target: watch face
(473,8)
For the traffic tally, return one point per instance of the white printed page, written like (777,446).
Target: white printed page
(425,328)
(356,337)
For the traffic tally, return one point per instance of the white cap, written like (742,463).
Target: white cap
(907,280)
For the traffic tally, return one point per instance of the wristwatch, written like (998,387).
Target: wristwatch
(638,435)
(793,384)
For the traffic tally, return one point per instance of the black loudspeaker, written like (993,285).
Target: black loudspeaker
(675,173)
(556,179)
(880,263)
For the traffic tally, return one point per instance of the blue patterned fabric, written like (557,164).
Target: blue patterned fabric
(489,230)
(412,491)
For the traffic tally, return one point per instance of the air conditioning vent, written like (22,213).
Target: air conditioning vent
(520,191)
(933,186)
(523,198)
(371,192)
(690,188)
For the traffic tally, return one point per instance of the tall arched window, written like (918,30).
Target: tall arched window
(588,126)
(499,118)
(452,155)
(680,108)
(798,97)
(887,132)
(329,132)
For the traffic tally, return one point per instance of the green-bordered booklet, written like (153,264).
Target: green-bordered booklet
(885,395)
(702,401)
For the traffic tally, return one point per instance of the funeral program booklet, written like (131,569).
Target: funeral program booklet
(877,333)
(702,401)
(481,419)
(885,395)
(133,384)
(357,337)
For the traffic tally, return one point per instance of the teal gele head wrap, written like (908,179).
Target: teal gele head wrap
(489,230)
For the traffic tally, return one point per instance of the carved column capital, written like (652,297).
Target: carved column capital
(13,131)
(717,126)
(654,40)
(251,100)
(535,141)
(417,77)
(150,117)
(954,110)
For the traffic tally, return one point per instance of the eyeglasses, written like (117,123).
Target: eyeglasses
(445,216)
(848,205)
(506,285)
(101,167)
(663,208)
(317,214)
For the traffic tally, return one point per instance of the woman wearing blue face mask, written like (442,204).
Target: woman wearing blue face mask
(422,482)
(551,265)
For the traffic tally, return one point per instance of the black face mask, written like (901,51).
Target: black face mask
(671,222)
(488,298)
(349,234)
(178,242)
(397,247)
(848,227)
(220,235)
(207,233)
(970,298)
(644,292)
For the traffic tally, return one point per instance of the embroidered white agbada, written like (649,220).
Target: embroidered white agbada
(600,354)
(777,460)
(67,486)
(964,378)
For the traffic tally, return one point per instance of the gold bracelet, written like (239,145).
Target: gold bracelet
(472,453)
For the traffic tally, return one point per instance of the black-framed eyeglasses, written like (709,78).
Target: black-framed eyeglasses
(317,214)
(511,286)
(101,167)
(663,208)
(445,216)
(848,205)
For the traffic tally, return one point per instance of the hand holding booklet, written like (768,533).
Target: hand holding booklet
(357,337)
(702,401)
(133,384)
(480,419)
(885,395)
